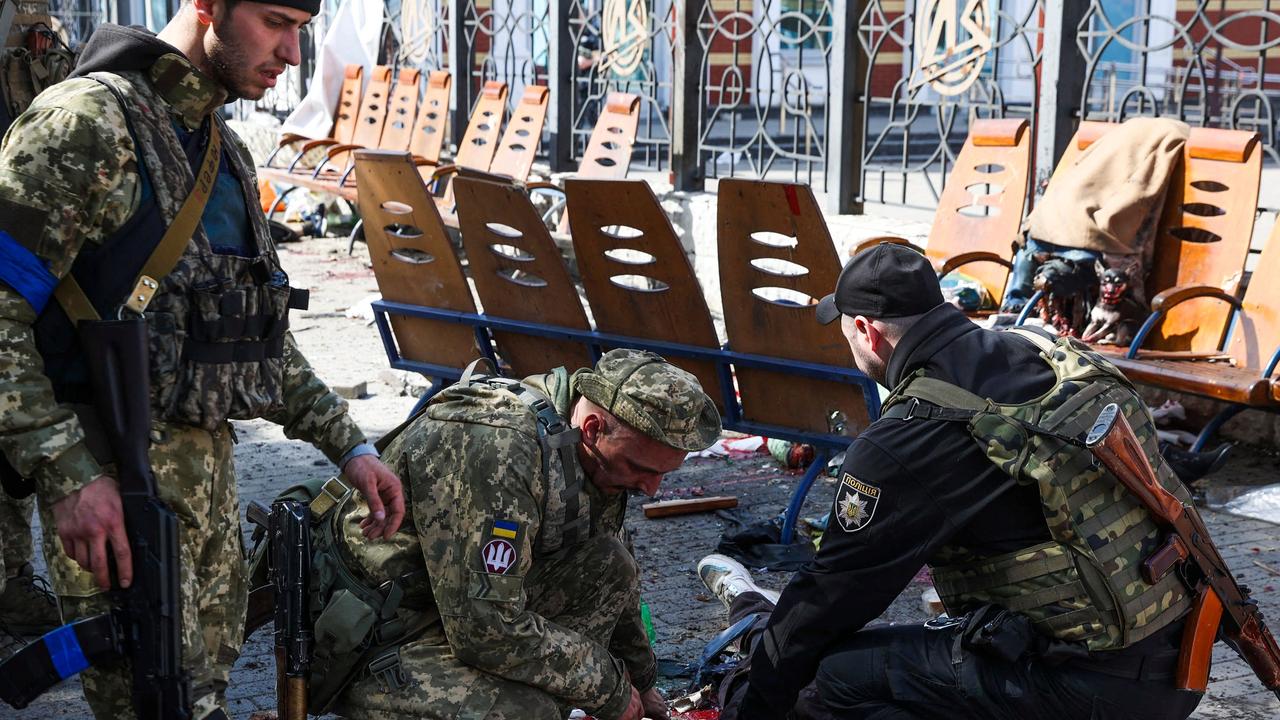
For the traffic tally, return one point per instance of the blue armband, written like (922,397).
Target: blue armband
(21,270)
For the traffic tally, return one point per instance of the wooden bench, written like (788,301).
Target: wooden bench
(413,261)
(366,133)
(640,287)
(1246,378)
(1203,240)
(608,153)
(516,150)
(480,141)
(776,261)
(519,274)
(344,116)
(980,211)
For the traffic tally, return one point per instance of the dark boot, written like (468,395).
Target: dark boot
(27,606)
(1191,466)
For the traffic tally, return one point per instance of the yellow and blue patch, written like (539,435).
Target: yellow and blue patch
(506,529)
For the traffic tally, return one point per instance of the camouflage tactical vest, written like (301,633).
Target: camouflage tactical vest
(1084,585)
(218,323)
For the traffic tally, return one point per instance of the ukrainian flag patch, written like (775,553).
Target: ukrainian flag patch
(506,529)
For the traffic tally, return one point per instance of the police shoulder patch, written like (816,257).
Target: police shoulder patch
(855,503)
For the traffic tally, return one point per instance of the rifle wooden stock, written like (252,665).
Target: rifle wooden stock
(1114,444)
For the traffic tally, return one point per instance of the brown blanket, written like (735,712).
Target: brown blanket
(1111,199)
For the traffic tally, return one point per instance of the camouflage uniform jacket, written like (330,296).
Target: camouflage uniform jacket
(472,467)
(69,179)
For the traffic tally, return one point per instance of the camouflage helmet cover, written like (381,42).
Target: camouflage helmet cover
(655,397)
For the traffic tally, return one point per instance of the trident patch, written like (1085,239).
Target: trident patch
(499,556)
(855,503)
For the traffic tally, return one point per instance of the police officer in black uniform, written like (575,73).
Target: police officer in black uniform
(917,486)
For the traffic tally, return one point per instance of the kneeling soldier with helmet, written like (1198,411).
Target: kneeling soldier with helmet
(509,592)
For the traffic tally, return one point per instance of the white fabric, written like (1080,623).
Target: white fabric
(352,39)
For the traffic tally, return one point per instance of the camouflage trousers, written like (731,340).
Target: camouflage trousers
(584,588)
(194,472)
(16,548)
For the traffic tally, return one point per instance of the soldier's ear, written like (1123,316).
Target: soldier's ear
(592,427)
(204,10)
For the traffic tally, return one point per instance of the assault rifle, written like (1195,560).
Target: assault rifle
(146,622)
(290,550)
(1220,601)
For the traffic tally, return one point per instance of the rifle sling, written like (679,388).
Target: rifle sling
(72,297)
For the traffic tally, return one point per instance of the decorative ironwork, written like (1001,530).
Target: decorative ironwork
(948,64)
(623,46)
(508,41)
(765,75)
(1204,62)
(914,130)
(79,18)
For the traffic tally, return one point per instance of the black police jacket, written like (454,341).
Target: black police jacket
(923,484)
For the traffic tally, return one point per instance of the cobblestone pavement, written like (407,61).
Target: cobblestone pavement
(347,352)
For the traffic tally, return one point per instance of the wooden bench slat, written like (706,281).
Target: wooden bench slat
(522,278)
(776,327)
(665,301)
(413,260)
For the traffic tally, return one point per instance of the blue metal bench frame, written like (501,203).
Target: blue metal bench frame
(825,444)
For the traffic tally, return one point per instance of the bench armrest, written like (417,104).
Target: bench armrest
(420,161)
(339,149)
(1166,300)
(956,261)
(285,141)
(443,171)
(879,239)
(544,186)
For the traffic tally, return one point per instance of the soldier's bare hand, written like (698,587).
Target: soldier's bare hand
(382,490)
(87,521)
(655,706)
(635,708)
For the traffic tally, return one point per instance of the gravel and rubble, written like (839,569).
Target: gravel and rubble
(348,353)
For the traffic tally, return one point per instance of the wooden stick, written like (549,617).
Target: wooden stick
(667,508)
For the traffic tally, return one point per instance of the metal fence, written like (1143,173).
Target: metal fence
(868,100)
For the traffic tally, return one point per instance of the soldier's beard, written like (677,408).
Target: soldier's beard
(229,66)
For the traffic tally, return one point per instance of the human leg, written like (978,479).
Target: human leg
(441,687)
(194,475)
(918,672)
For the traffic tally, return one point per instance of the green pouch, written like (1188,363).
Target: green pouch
(340,634)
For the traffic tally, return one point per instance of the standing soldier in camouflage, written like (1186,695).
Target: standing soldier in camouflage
(91,177)
(509,593)
(977,468)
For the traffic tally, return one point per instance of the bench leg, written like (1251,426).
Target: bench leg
(357,233)
(1214,425)
(820,458)
(278,202)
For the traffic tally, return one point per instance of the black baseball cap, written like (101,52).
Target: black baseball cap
(885,281)
(311,6)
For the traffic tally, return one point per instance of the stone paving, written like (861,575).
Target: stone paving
(347,352)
